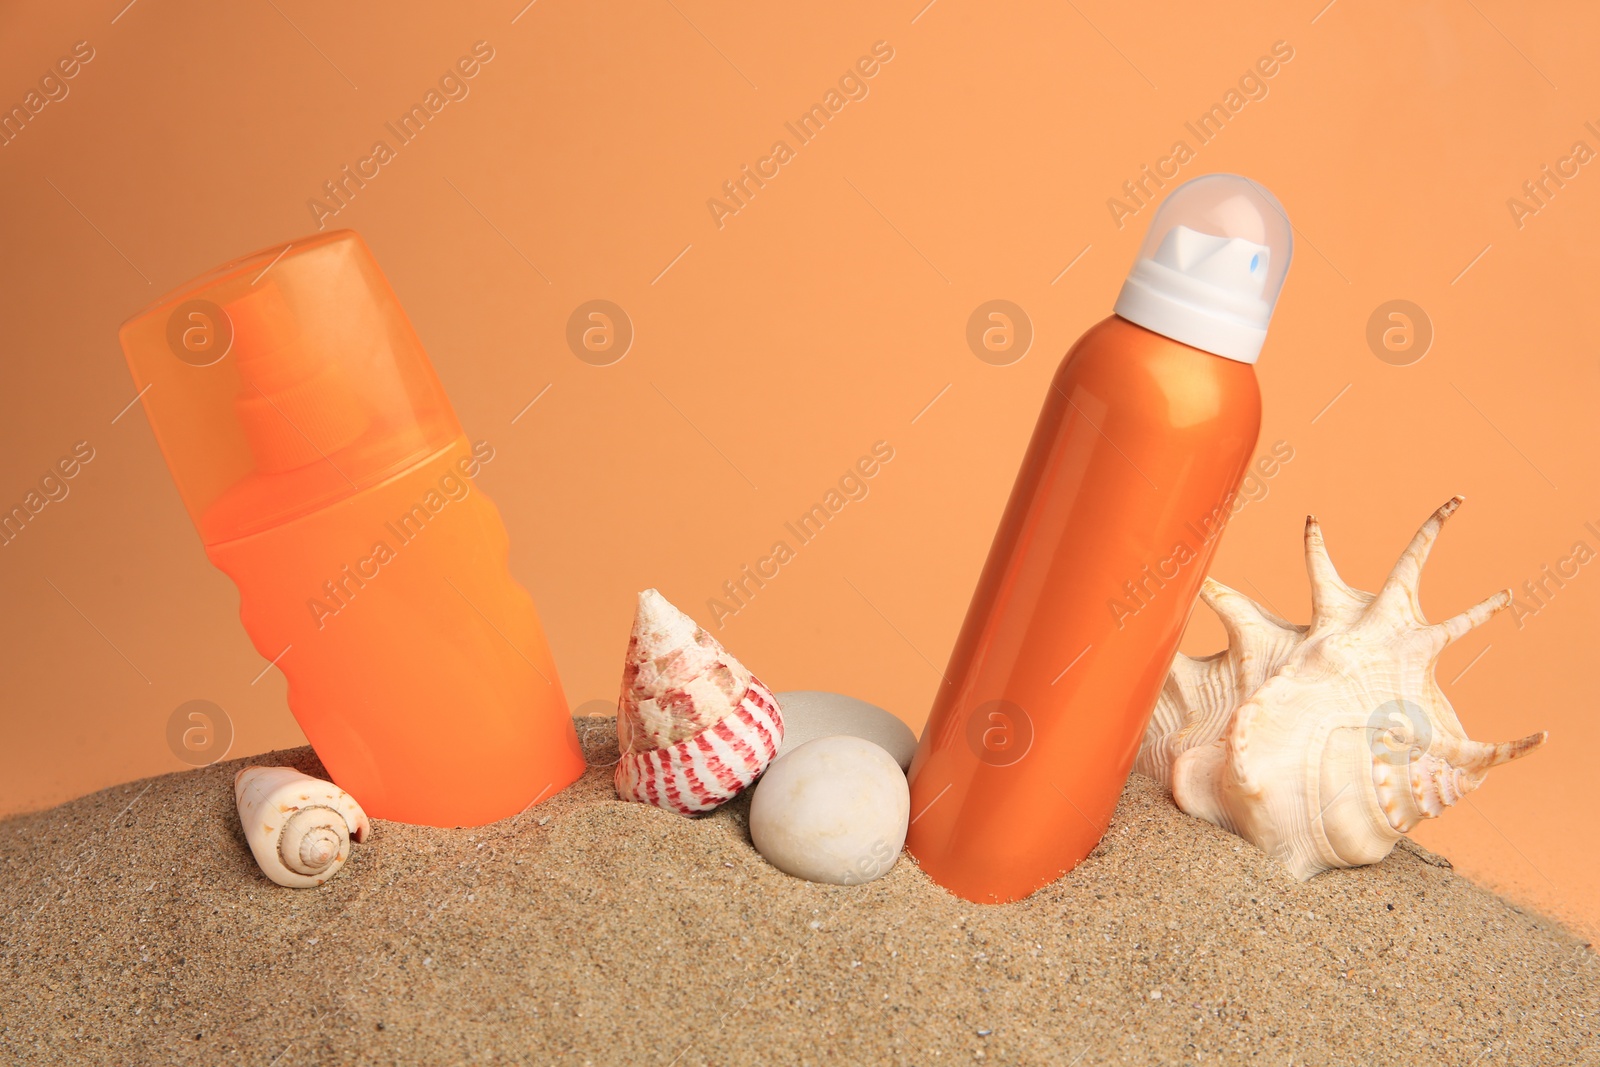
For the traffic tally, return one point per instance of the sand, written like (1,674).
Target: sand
(588,931)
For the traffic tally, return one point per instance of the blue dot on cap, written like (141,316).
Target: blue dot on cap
(1254,262)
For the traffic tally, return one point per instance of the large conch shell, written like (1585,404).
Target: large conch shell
(299,827)
(694,727)
(1323,744)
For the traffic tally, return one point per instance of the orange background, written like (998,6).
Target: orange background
(772,352)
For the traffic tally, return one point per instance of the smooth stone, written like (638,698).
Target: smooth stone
(809,714)
(834,810)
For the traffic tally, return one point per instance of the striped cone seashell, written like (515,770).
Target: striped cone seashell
(1323,744)
(299,827)
(694,727)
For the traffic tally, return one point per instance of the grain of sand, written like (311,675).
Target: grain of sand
(589,931)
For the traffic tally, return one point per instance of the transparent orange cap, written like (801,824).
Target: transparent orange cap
(284,382)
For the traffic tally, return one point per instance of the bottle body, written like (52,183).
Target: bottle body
(1110,528)
(417,666)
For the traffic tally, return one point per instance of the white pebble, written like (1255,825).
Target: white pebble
(834,810)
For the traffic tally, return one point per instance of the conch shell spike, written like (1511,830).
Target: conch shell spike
(1478,757)
(1458,626)
(1405,579)
(1237,611)
(1331,598)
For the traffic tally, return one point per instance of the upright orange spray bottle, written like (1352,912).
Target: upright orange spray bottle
(329,478)
(1116,513)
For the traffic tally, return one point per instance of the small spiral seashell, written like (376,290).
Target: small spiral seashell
(299,828)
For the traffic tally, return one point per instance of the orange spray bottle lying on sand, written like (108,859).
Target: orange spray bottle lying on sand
(1123,493)
(329,478)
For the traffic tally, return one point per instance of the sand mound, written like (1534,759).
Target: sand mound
(586,930)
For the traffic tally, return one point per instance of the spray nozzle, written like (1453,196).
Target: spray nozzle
(1211,266)
(295,403)
(1229,263)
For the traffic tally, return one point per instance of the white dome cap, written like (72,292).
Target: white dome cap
(1212,263)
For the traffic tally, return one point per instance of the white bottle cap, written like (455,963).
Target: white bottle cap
(1212,263)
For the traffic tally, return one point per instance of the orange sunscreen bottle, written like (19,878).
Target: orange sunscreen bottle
(329,478)
(1131,473)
